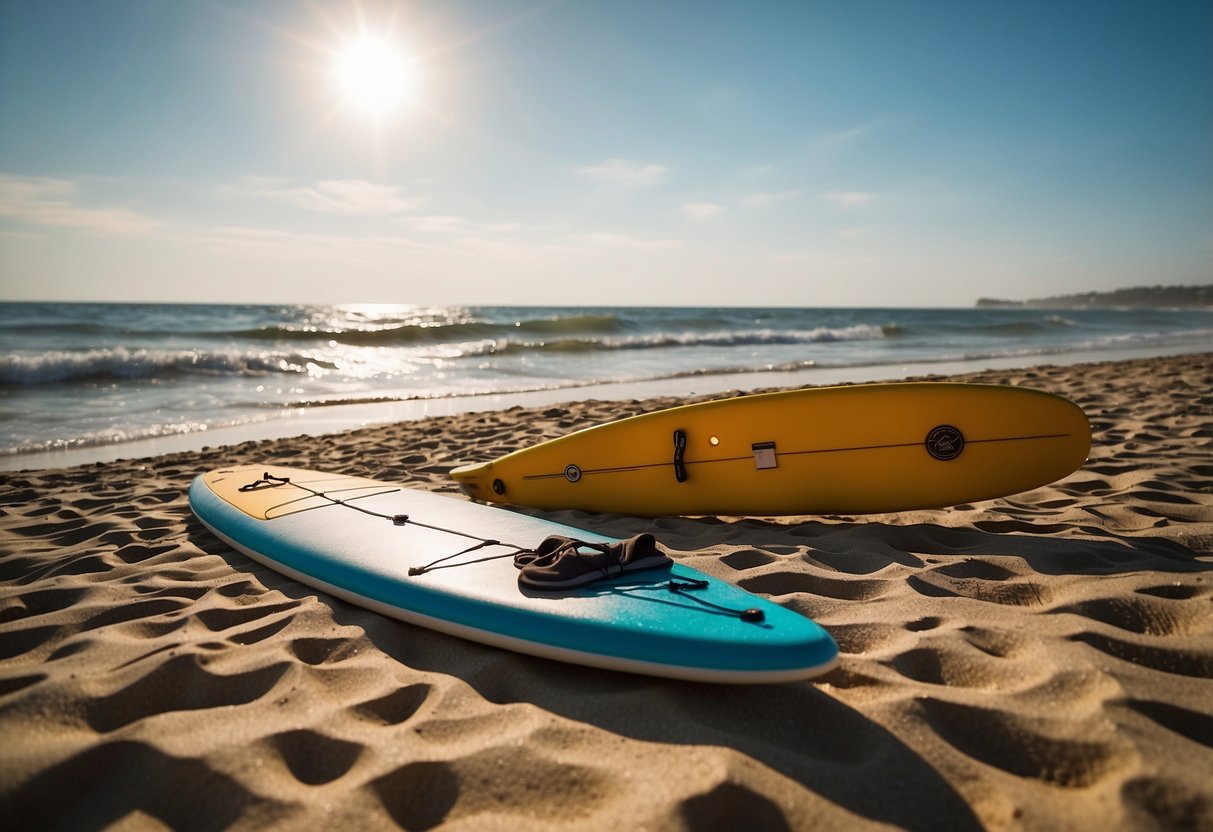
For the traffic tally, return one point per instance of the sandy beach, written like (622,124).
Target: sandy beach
(1042,661)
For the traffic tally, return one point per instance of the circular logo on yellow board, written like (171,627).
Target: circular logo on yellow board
(945,442)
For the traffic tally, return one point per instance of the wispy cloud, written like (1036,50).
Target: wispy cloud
(18,235)
(292,245)
(849,199)
(841,137)
(873,128)
(57,202)
(435,224)
(626,173)
(702,210)
(614,240)
(769,198)
(448,250)
(333,196)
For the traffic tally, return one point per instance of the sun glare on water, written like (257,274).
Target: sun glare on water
(373,75)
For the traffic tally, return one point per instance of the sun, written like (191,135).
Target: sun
(373,75)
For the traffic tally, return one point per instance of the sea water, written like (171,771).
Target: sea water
(94,375)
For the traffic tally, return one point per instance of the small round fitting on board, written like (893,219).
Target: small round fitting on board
(945,443)
(572,473)
(498,487)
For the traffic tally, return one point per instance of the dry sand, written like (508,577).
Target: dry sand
(1040,661)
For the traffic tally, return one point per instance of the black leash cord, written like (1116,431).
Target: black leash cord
(679,587)
(682,587)
(268,480)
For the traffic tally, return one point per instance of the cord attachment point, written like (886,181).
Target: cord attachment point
(267,480)
(683,584)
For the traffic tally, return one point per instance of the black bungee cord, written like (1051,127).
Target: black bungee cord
(681,587)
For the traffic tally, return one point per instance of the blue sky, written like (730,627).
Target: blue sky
(807,153)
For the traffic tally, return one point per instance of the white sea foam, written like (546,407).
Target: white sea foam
(73,374)
(123,363)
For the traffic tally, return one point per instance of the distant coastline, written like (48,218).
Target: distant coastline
(1136,297)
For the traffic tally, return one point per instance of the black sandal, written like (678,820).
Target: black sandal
(559,563)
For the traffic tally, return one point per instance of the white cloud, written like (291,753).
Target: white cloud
(768,198)
(16,190)
(333,196)
(841,137)
(291,245)
(42,201)
(849,199)
(626,173)
(702,210)
(612,240)
(435,224)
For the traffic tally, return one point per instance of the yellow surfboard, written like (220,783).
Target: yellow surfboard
(833,450)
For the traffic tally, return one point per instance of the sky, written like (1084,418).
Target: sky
(603,152)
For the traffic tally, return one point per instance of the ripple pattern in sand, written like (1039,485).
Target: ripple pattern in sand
(1040,660)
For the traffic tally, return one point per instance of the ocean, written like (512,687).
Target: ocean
(81,376)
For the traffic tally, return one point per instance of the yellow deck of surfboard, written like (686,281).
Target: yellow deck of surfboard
(833,450)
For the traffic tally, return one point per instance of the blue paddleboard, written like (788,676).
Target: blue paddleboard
(431,560)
